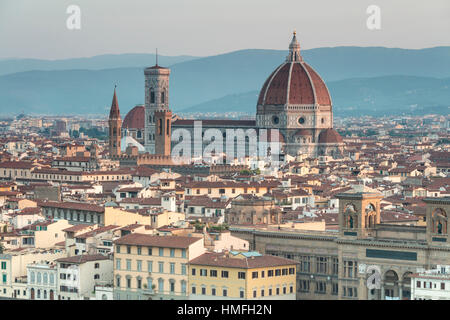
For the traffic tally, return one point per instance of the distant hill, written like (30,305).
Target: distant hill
(197,81)
(106,61)
(374,96)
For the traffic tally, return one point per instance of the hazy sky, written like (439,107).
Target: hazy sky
(37,28)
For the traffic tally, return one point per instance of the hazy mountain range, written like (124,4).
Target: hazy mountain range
(371,80)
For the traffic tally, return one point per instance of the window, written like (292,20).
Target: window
(172,268)
(270,273)
(262,274)
(139,265)
(305,264)
(118,282)
(291,270)
(350,269)
(161,252)
(96,276)
(139,283)
(161,285)
(254,275)
(161,267)
(213,273)
(224,274)
(241,294)
(254,293)
(321,287)
(213,291)
(303,286)
(322,265)
(183,253)
(277,272)
(442,286)
(128,249)
(152,96)
(193,271)
(335,266)
(241,275)
(149,251)
(139,250)
(150,266)
(97,266)
(128,264)
(224,292)
(418,284)
(334,289)
(183,268)
(172,286)
(203,290)
(203,272)
(128,282)
(262,292)
(3,265)
(193,290)
(172,253)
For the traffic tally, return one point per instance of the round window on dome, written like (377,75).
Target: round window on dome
(275,119)
(301,120)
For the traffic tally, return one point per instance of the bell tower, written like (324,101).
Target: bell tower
(115,126)
(156,99)
(163,122)
(359,212)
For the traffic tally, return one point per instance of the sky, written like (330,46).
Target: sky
(37,28)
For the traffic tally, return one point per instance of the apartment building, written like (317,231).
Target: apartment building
(153,267)
(241,276)
(42,280)
(431,284)
(13,267)
(78,275)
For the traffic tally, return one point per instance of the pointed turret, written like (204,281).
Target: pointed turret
(114,113)
(115,127)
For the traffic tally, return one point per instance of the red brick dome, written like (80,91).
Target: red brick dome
(135,118)
(303,133)
(330,136)
(294,82)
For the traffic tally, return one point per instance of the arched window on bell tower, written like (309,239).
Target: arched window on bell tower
(152,95)
(439,221)
(163,97)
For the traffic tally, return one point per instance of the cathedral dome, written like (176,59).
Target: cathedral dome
(330,136)
(294,82)
(135,118)
(303,133)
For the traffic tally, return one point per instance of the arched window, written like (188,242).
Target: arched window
(160,126)
(163,97)
(439,220)
(152,95)
(168,127)
(45,278)
(104,297)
